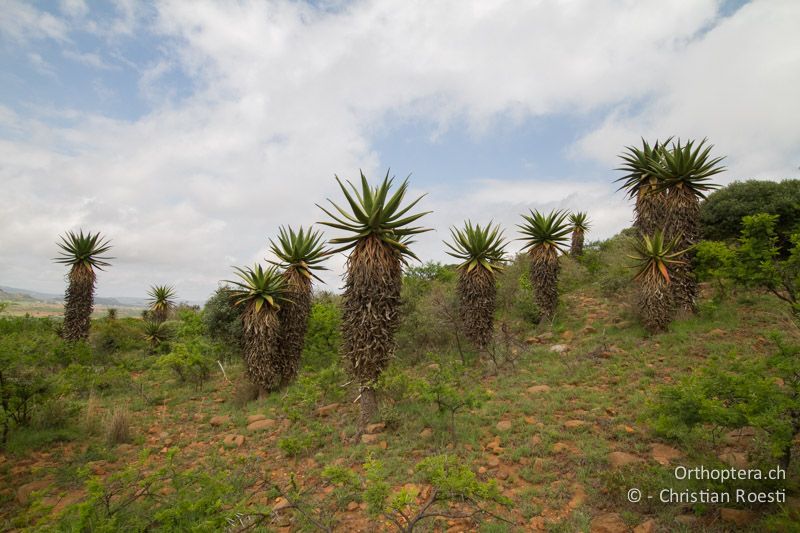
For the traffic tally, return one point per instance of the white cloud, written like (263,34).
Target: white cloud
(737,85)
(287,95)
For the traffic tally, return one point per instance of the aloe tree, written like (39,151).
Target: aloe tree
(299,254)
(684,172)
(84,254)
(643,185)
(545,236)
(481,250)
(378,244)
(655,256)
(161,301)
(580,225)
(260,292)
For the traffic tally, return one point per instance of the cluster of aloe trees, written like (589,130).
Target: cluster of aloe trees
(275,300)
(275,303)
(667,180)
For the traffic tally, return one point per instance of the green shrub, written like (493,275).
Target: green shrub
(222,321)
(190,362)
(324,333)
(764,394)
(109,337)
(722,212)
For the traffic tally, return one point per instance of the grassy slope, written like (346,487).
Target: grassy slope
(556,471)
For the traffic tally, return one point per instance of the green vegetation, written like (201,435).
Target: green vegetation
(722,212)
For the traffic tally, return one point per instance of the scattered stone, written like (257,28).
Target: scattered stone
(199,417)
(352,506)
(280,503)
(530,420)
(578,498)
(255,418)
(493,461)
(434,366)
(717,332)
(219,400)
(646,527)
(567,335)
(482,470)
(504,425)
(538,388)
(536,440)
(566,447)
(326,410)
(619,459)
(559,348)
(545,336)
(371,438)
(261,425)
(219,420)
(738,517)
(234,441)
(664,454)
(589,329)
(735,459)
(537,523)
(24,492)
(426,433)
(376,428)
(532,340)
(494,445)
(572,424)
(608,523)
(686,519)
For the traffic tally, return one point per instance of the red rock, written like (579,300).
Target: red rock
(664,454)
(608,523)
(255,418)
(571,424)
(646,527)
(24,492)
(261,425)
(326,410)
(618,459)
(504,425)
(219,420)
(538,388)
(376,428)
(738,517)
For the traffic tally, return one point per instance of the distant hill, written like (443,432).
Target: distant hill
(15,295)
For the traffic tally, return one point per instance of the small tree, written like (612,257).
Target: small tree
(758,262)
(162,301)
(83,254)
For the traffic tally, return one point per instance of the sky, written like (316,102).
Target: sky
(188,132)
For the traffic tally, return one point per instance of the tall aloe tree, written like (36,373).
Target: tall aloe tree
(684,172)
(260,293)
(378,248)
(161,301)
(481,250)
(580,225)
(655,256)
(545,236)
(299,254)
(643,185)
(84,254)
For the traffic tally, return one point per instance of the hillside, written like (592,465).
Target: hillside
(556,426)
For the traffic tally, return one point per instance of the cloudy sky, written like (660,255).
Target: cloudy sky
(188,131)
